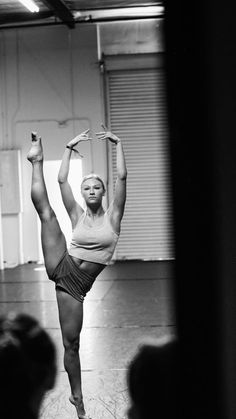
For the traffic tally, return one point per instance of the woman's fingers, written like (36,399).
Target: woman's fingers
(101,136)
(104,127)
(85,135)
(85,138)
(82,137)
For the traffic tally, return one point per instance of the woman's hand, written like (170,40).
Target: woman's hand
(81,137)
(107,135)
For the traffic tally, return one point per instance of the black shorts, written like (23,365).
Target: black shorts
(68,276)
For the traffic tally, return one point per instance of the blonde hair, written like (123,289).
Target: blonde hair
(93,176)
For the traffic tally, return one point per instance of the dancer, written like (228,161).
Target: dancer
(94,238)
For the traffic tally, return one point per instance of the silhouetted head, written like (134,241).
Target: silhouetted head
(153,377)
(27,366)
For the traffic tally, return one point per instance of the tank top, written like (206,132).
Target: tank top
(93,244)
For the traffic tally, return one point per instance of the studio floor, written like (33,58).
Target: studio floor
(130,302)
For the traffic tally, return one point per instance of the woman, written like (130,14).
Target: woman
(27,365)
(95,235)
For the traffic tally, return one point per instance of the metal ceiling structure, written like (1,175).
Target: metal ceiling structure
(70,12)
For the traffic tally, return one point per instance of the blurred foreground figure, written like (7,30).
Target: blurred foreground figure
(27,365)
(153,379)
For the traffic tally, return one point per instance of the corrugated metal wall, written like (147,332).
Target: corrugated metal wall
(137,113)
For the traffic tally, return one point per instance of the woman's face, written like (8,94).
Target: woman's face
(92,191)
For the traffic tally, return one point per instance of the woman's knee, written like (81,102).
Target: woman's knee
(47,214)
(71,344)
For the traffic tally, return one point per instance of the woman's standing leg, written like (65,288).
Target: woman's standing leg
(71,320)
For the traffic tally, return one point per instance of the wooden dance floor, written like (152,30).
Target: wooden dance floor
(129,303)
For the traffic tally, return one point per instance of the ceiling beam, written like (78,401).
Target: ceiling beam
(61,10)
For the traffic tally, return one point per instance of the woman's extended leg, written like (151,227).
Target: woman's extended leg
(53,240)
(71,320)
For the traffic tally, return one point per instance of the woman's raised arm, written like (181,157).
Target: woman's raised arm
(73,209)
(120,186)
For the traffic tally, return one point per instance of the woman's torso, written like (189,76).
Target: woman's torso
(85,226)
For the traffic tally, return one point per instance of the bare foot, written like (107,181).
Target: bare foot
(79,405)
(36,151)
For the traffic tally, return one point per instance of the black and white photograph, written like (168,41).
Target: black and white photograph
(117,209)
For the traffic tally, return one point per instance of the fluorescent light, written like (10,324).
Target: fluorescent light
(125,12)
(135,11)
(31,6)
